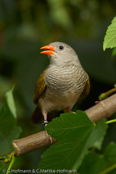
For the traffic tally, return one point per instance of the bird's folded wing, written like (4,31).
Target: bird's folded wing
(40,88)
(86,89)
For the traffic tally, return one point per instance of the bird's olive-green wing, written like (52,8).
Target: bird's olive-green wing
(86,89)
(40,88)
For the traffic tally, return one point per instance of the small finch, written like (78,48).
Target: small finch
(61,84)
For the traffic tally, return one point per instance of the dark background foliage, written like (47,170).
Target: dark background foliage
(26,25)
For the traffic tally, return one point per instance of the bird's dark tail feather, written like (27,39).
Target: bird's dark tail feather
(37,116)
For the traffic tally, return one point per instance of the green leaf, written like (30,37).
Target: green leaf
(8,129)
(114,52)
(98,134)
(110,37)
(102,164)
(10,102)
(1,165)
(57,11)
(76,133)
(69,125)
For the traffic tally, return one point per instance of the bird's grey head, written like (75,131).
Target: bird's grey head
(61,54)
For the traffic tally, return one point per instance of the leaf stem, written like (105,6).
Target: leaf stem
(111,121)
(106,94)
(11,163)
(108,169)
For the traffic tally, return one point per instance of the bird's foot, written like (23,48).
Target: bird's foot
(45,123)
(73,112)
(69,111)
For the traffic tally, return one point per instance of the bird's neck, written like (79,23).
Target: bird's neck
(65,64)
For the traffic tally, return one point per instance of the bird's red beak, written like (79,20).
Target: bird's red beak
(49,50)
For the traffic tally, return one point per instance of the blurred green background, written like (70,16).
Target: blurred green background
(25,26)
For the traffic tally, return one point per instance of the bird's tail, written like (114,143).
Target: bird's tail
(37,116)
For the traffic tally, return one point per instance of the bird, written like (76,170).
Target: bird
(61,84)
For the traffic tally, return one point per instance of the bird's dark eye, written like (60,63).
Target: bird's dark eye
(61,47)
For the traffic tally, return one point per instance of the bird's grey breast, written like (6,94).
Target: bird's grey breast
(66,78)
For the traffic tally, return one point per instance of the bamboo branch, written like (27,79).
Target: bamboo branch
(103,109)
